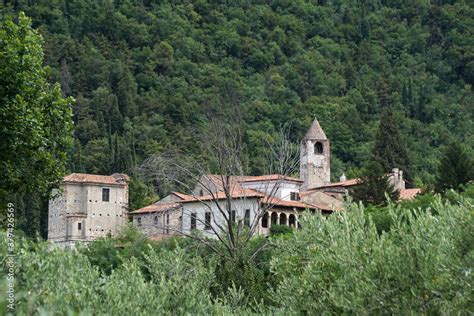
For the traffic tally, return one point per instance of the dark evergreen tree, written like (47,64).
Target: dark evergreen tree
(390,150)
(456,168)
(374,185)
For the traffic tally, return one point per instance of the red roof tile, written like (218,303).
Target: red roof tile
(156,208)
(299,204)
(235,181)
(116,179)
(407,194)
(182,196)
(270,177)
(235,194)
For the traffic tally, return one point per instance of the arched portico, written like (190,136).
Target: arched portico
(283,219)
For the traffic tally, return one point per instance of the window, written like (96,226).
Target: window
(105,194)
(79,226)
(318,148)
(207,220)
(294,196)
(247,218)
(201,193)
(193,220)
(155,220)
(139,221)
(232,216)
(167,218)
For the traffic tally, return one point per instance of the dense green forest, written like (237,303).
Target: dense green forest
(148,76)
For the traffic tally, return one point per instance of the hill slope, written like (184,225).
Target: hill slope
(148,76)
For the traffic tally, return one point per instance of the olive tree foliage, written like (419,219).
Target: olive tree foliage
(35,120)
(340,264)
(55,281)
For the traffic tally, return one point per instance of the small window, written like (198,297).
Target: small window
(167,230)
(318,148)
(207,221)
(156,220)
(139,221)
(105,194)
(193,221)
(201,193)
(294,196)
(247,218)
(232,216)
(79,226)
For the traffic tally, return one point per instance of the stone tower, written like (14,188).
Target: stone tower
(315,169)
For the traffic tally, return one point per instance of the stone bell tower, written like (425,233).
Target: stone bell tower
(315,169)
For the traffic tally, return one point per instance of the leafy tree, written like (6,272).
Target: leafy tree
(35,120)
(456,168)
(374,186)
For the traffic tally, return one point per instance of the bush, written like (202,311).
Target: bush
(276,230)
(340,264)
(63,282)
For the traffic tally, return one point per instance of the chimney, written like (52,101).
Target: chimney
(396,178)
(342,178)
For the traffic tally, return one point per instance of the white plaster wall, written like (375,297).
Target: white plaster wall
(283,192)
(239,205)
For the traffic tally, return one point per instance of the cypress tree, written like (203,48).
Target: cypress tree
(411,102)
(389,150)
(374,185)
(456,168)
(405,100)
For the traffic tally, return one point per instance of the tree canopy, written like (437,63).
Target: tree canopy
(148,76)
(456,168)
(35,119)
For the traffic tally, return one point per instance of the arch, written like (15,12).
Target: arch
(318,148)
(282,219)
(265,220)
(274,218)
(292,220)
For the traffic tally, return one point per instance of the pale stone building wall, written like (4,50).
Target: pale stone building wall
(80,214)
(315,164)
(159,224)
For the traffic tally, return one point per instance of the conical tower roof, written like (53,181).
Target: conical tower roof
(315,131)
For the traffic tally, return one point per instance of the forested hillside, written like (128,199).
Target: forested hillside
(147,76)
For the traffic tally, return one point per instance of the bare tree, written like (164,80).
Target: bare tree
(222,190)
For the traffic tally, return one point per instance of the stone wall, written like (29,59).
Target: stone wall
(79,214)
(159,224)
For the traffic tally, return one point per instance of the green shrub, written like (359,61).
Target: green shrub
(340,264)
(55,281)
(276,230)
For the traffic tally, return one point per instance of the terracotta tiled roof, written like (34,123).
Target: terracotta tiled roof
(270,177)
(116,179)
(347,183)
(235,194)
(407,194)
(235,181)
(300,204)
(182,196)
(156,208)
